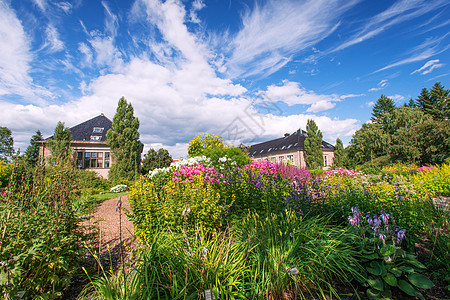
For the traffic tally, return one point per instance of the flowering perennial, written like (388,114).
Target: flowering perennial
(340,171)
(187,173)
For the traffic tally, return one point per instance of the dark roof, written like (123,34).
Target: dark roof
(294,141)
(85,130)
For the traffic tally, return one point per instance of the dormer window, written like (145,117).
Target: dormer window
(96,137)
(98,130)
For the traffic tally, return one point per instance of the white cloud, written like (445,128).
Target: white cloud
(197,5)
(174,101)
(42,4)
(53,43)
(381,85)
(429,48)
(65,6)
(397,98)
(16,58)
(370,104)
(399,12)
(266,41)
(428,67)
(291,93)
(111,21)
(84,49)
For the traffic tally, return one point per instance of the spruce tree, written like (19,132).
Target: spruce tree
(383,106)
(59,143)
(123,139)
(32,152)
(339,154)
(313,146)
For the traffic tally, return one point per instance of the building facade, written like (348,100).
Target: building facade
(290,149)
(88,145)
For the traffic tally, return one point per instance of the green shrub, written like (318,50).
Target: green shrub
(40,248)
(5,173)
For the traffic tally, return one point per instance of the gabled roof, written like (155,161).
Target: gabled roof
(85,131)
(294,141)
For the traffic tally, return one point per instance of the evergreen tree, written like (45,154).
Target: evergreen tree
(32,152)
(6,144)
(59,143)
(383,106)
(313,146)
(155,159)
(441,99)
(339,155)
(123,139)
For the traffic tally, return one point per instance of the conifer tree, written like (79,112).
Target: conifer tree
(313,146)
(32,152)
(383,106)
(59,143)
(123,139)
(339,153)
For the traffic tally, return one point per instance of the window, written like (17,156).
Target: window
(93,160)
(325,160)
(96,137)
(79,160)
(273,159)
(280,158)
(98,130)
(290,158)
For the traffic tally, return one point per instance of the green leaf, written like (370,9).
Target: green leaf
(407,269)
(396,272)
(390,279)
(376,283)
(376,268)
(406,287)
(373,295)
(387,250)
(416,263)
(420,281)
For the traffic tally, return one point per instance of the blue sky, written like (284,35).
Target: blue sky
(248,70)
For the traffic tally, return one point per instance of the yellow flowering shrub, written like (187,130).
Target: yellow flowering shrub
(433,181)
(179,206)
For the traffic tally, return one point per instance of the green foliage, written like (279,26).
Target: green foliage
(40,246)
(368,143)
(123,139)
(6,144)
(199,144)
(227,159)
(385,263)
(5,173)
(383,106)
(435,102)
(295,255)
(313,146)
(177,205)
(32,152)
(155,159)
(339,154)
(59,144)
(181,266)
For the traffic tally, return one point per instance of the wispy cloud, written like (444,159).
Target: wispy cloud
(428,67)
(197,5)
(399,12)
(429,48)
(267,39)
(111,21)
(53,42)
(42,4)
(397,98)
(381,85)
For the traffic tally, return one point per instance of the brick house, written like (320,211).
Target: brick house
(88,144)
(290,148)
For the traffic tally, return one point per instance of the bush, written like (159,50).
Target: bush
(40,249)
(5,173)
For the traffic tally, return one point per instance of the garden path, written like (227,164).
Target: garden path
(112,222)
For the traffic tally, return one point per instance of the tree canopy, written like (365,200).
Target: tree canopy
(123,139)
(59,143)
(339,154)
(383,106)
(32,152)
(200,143)
(6,144)
(313,146)
(155,159)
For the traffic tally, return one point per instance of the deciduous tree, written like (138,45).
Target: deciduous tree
(123,139)
(339,155)
(6,144)
(199,144)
